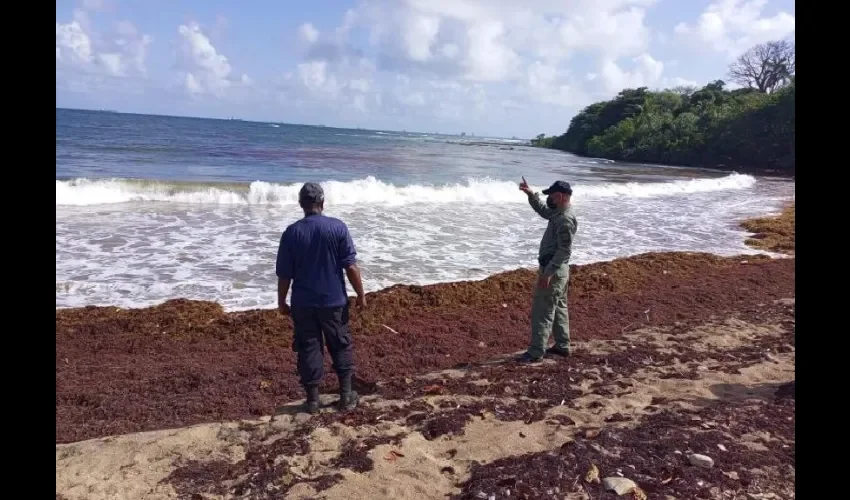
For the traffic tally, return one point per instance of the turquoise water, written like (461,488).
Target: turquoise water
(150,208)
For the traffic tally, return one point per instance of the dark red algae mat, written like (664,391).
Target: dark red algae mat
(654,455)
(187,362)
(268,471)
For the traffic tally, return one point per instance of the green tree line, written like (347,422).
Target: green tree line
(748,127)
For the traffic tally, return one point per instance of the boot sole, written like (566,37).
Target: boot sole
(528,361)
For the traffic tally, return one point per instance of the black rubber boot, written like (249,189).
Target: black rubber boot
(526,358)
(558,351)
(348,398)
(311,406)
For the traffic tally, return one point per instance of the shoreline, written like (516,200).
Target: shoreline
(739,169)
(770,233)
(760,253)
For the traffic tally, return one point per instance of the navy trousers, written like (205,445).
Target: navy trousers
(315,327)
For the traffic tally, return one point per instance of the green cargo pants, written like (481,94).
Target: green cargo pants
(549,314)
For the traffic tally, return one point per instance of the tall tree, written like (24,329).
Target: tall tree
(765,67)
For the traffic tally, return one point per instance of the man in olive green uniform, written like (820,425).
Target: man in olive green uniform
(549,306)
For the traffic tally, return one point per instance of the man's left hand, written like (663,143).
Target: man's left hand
(544,281)
(284,309)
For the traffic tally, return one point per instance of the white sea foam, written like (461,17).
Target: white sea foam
(366,191)
(135,253)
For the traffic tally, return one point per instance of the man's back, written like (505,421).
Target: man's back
(313,253)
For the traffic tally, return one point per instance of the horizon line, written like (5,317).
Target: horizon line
(232,118)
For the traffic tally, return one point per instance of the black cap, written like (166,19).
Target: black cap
(559,187)
(311,192)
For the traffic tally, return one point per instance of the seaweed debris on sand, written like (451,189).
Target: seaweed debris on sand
(186,362)
(775,233)
(688,409)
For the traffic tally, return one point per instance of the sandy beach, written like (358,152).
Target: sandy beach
(676,354)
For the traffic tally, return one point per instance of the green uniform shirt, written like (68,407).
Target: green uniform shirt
(557,242)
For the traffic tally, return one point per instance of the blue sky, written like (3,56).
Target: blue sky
(490,67)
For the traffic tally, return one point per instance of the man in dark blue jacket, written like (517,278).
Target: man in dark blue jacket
(313,253)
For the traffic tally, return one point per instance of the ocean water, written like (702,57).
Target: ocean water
(150,208)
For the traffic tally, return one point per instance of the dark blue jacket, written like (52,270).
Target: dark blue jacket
(313,253)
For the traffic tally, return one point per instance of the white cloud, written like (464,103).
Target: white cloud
(487,40)
(112,63)
(192,84)
(333,76)
(360,85)
(126,29)
(73,43)
(449,50)
(444,100)
(488,58)
(131,48)
(359,103)
(81,51)
(546,84)
(411,99)
(314,76)
(419,34)
(348,22)
(445,62)
(308,33)
(205,70)
(468,59)
(610,34)
(646,73)
(733,26)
